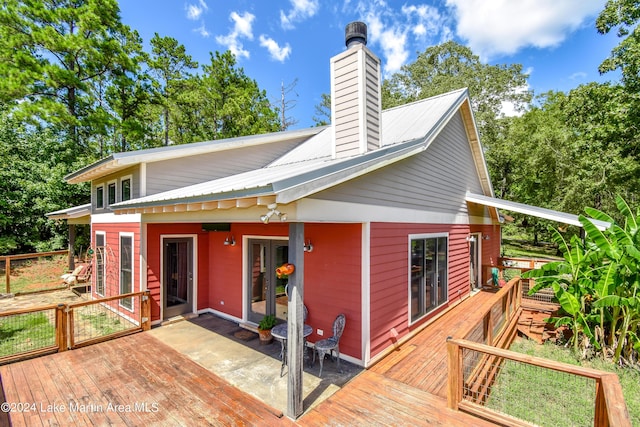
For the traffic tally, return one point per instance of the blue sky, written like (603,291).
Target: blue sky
(279,41)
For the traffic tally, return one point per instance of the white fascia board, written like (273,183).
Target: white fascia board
(535,211)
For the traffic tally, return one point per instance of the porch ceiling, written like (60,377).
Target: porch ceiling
(562,217)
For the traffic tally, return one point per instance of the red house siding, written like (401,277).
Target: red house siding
(226,275)
(154,262)
(112,256)
(333,278)
(389,276)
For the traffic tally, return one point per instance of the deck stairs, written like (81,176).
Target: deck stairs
(533,321)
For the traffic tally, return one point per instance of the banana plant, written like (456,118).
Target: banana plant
(617,291)
(573,286)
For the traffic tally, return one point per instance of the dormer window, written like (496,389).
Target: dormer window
(125,189)
(111,193)
(100,197)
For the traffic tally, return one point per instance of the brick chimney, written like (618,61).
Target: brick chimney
(355,95)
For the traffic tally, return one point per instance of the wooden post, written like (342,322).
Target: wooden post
(600,417)
(7,272)
(72,243)
(145,311)
(454,359)
(61,327)
(295,341)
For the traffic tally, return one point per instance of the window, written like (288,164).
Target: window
(126,269)
(429,266)
(111,193)
(125,189)
(100,197)
(100,259)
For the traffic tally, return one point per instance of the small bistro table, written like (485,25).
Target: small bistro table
(280,332)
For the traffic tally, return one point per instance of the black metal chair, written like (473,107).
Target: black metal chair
(331,344)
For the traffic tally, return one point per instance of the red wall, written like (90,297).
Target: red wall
(154,261)
(333,277)
(389,276)
(112,256)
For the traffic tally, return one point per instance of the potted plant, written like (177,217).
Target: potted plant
(264,328)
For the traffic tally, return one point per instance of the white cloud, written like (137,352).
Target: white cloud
(502,27)
(242,28)
(580,75)
(300,10)
(195,11)
(398,31)
(202,30)
(278,53)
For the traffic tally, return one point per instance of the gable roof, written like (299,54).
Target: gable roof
(119,161)
(406,130)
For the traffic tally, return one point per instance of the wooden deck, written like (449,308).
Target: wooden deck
(134,381)
(164,387)
(409,386)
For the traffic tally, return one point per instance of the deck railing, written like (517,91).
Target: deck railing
(579,396)
(5,261)
(480,366)
(511,267)
(53,328)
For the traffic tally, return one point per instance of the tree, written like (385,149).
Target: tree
(170,64)
(51,51)
(287,104)
(32,184)
(450,66)
(234,104)
(129,96)
(322,115)
(623,15)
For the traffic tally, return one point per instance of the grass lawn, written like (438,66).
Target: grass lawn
(545,390)
(36,274)
(25,332)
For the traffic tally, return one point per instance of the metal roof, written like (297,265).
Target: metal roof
(118,161)
(309,168)
(562,217)
(71,213)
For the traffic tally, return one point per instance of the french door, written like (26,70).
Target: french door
(474,261)
(178,276)
(267,292)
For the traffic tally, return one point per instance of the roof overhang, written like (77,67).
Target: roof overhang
(562,217)
(120,161)
(73,215)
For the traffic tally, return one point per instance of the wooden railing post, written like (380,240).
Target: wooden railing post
(454,361)
(145,311)
(61,327)
(7,272)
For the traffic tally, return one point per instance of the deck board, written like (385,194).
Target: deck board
(125,371)
(409,386)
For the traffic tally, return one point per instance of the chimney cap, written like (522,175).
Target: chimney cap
(355,33)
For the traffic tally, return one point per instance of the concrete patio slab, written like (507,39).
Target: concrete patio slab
(214,343)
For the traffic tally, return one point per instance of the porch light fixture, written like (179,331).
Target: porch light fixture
(485,237)
(273,211)
(308,247)
(230,241)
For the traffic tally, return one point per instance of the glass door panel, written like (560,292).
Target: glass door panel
(267,292)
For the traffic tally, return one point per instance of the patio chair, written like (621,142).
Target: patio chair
(331,344)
